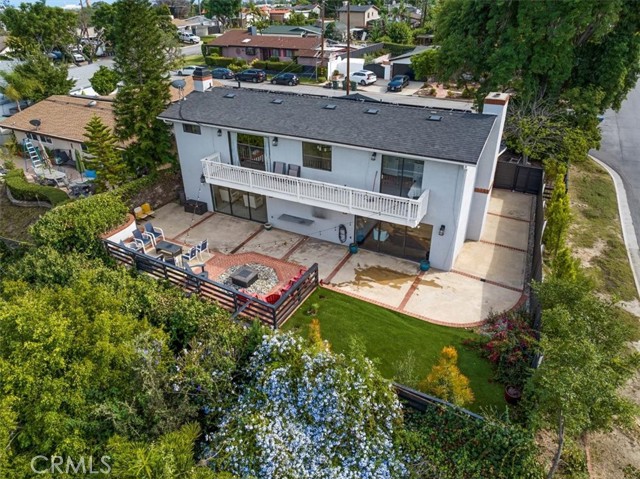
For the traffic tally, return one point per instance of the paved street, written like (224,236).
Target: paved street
(620,148)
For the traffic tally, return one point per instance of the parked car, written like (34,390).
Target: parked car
(286,79)
(187,71)
(398,82)
(223,73)
(78,57)
(251,75)
(188,37)
(363,77)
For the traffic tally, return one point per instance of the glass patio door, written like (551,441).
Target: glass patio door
(242,204)
(401,176)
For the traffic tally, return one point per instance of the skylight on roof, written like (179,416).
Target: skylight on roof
(434,118)
(372,111)
(230,95)
(330,106)
(277,101)
(246,40)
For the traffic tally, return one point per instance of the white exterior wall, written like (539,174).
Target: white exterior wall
(56,144)
(450,188)
(487,168)
(322,228)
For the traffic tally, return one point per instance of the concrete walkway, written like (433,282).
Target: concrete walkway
(489,275)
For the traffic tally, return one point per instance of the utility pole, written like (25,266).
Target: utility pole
(348,46)
(322,4)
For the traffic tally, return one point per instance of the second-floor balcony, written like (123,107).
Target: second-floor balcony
(394,209)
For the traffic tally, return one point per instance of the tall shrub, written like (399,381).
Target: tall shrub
(446,381)
(77,226)
(558,217)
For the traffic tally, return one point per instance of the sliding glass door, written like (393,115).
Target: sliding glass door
(401,176)
(394,240)
(240,203)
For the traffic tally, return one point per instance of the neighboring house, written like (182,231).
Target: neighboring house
(299,31)
(401,65)
(307,10)
(408,181)
(361,15)
(62,122)
(249,45)
(279,15)
(198,25)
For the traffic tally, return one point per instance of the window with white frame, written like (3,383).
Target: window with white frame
(316,156)
(40,138)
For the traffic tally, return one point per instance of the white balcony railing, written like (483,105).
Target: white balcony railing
(394,209)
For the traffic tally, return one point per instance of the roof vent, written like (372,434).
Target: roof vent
(92,103)
(434,118)
(372,111)
(230,95)
(330,106)
(277,101)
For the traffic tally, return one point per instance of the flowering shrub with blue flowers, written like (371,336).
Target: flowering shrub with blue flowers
(310,413)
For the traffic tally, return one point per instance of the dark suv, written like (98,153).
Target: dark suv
(285,79)
(252,75)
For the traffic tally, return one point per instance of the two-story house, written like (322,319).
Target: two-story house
(360,15)
(407,181)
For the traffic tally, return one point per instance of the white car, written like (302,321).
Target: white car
(188,37)
(187,71)
(78,57)
(364,77)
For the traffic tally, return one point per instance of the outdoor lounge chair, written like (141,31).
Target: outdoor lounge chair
(134,245)
(294,170)
(143,238)
(189,269)
(279,167)
(202,247)
(155,233)
(189,255)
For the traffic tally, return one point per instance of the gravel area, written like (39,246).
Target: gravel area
(267,278)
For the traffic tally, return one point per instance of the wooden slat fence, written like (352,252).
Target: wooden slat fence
(236,302)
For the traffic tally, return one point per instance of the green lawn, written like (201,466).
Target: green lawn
(388,335)
(15,220)
(193,60)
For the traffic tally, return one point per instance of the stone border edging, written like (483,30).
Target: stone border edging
(626,222)
(24,203)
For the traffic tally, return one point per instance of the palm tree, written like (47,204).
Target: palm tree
(18,87)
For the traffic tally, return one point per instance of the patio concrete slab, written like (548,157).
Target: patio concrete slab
(511,204)
(377,277)
(327,255)
(174,220)
(275,243)
(506,231)
(494,263)
(457,300)
(225,233)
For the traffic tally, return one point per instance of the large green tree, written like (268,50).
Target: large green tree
(542,48)
(18,87)
(106,158)
(38,27)
(142,65)
(104,81)
(103,19)
(47,77)
(224,10)
(586,361)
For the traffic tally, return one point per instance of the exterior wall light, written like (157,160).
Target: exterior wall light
(373,156)
(441,232)
(274,142)
(219,132)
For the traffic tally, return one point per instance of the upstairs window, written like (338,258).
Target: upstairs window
(194,129)
(316,156)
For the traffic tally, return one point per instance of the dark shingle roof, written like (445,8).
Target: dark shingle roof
(458,136)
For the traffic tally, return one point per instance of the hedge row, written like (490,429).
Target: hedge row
(215,61)
(240,63)
(21,189)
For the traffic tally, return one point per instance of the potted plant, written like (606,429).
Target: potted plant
(353,248)
(267,226)
(512,394)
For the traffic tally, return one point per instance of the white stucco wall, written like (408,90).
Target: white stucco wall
(56,144)
(322,228)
